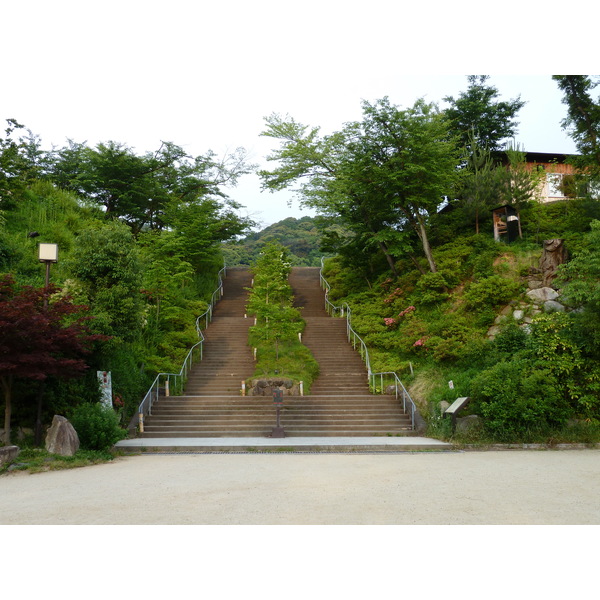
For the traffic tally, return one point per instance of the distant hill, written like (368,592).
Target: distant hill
(301,236)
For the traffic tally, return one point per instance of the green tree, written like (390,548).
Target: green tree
(481,180)
(383,176)
(478,109)
(270,299)
(582,120)
(201,226)
(520,184)
(21,162)
(138,188)
(105,261)
(580,278)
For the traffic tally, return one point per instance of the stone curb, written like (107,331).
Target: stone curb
(527,447)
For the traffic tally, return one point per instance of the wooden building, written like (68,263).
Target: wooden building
(556,168)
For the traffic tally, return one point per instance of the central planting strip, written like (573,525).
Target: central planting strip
(276,336)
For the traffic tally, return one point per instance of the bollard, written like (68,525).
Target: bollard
(243,388)
(167,393)
(141,423)
(278,430)
(302,388)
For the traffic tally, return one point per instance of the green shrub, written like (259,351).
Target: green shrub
(97,426)
(518,402)
(432,288)
(490,292)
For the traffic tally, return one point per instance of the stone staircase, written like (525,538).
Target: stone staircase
(339,403)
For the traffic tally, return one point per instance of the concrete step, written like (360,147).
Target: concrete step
(340,403)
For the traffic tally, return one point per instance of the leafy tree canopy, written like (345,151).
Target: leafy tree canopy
(139,189)
(583,118)
(478,111)
(382,177)
(38,338)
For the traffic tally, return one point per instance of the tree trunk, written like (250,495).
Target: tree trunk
(477,221)
(426,247)
(38,420)
(7,387)
(389,258)
(416,263)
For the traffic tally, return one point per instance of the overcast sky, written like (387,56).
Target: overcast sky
(204,75)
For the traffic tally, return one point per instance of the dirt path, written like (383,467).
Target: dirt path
(510,487)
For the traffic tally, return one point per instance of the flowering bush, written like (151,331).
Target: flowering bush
(394,294)
(406,311)
(420,342)
(390,322)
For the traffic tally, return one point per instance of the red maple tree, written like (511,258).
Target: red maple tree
(40,336)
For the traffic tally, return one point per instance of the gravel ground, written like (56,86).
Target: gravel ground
(420,488)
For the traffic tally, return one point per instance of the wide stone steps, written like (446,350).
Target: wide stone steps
(339,404)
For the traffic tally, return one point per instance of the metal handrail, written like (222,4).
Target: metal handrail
(174,382)
(353,338)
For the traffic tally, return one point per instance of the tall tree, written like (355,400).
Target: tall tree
(481,180)
(106,263)
(38,339)
(478,109)
(520,185)
(383,176)
(21,161)
(138,188)
(583,119)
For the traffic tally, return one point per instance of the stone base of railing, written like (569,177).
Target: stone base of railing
(265,387)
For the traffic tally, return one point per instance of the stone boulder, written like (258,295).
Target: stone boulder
(61,437)
(542,295)
(469,423)
(8,454)
(551,306)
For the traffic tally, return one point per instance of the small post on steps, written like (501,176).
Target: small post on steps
(141,423)
(243,388)
(278,431)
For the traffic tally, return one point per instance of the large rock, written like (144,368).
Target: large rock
(542,294)
(468,424)
(8,454)
(553,306)
(554,254)
(62,438)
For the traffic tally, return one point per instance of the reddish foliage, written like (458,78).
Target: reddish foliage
(38,340)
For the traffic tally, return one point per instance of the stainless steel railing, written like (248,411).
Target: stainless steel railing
(173,383)
(386,379)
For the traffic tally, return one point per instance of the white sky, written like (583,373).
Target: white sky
(204,75)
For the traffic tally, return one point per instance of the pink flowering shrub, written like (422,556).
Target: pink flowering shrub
(406,311)
(390,322)
(394,294)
